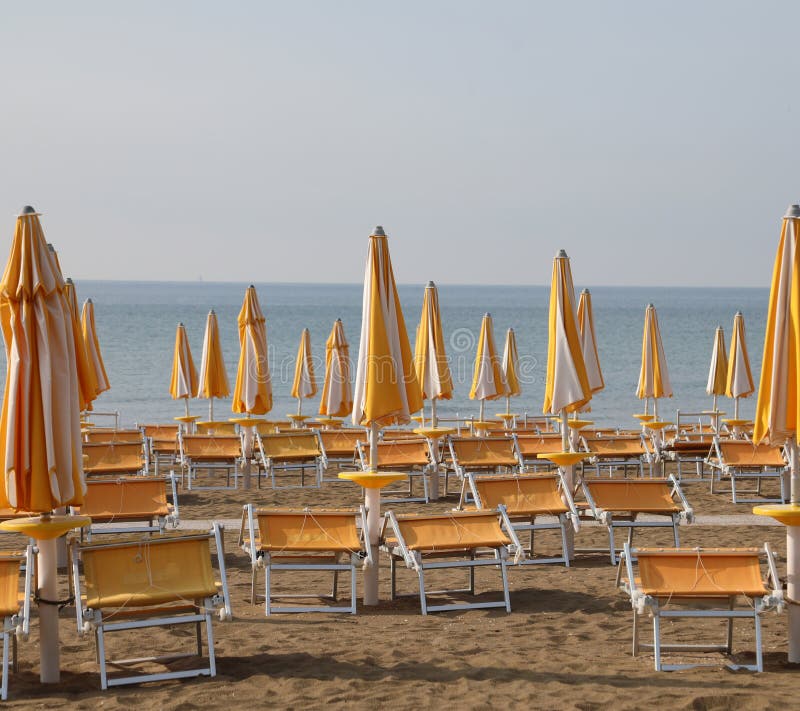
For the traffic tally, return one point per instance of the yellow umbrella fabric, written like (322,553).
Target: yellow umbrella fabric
(430,356)
(511,365)
(87,385)
(591,359)
(92,343)
(567,386)
(304,384)
(653,376)
(739,382)
(718,370)
(488,381)
(183,381)
(337,393)
(386,390)
(213,378)
(252,392)
(40,434)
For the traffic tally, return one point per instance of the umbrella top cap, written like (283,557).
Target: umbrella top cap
(487,315)
(430,285)
(793,211)
(68,280)
(378,231)
(585,291)
(28,210)
(562,254)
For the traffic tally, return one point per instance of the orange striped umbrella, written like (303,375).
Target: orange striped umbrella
(430,358)
(93,354)
(653,376)
(305,383)
(718,370)
(87,385)
(488,381)
(183,381)
(213,378)
(739,382)
(252,392)
(337,394)
(511,368)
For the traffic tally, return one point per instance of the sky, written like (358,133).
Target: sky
(262,141)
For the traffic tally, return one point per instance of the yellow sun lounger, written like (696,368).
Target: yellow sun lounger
(741,459)
(210,453)
(689,450)
(449,540)
(150,582)
(161,445)
(615,452)
(15,606)
(480,454)
(129,505)
(283,540)
(526,498)
(339,446)
(101,435)
(411,456)
(113,458)
(290,452)
(702,583)
(618,503)
(528,446)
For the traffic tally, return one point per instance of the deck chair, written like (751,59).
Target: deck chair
(450,540)
(480,454)
(528,446)
(210,453)
(615,452)
(293,451)
(114,458)
(701,583)
(284,540)
(150,582)
(618,503)
(129,505)
(526,498)
(15,606)
(161,445)
(411,456)
(339,446)
(216,428)
(740,459)
(689,450)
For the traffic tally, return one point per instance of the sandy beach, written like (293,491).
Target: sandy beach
(566,643)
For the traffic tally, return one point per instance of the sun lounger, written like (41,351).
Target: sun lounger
(526,498)
(102,435)
(161,445)
(689,450)
(210,453)
(307,540)
(480,454)
(339,446)
(700,583)
(528,446)
(15,606)
(150,582)
(618,503)
(113,459)
(450,540)
(410,456)
(616,452)
(216,427)
(129,505)
(740,459)
(293,451)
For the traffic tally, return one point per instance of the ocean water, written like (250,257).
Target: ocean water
(136,327)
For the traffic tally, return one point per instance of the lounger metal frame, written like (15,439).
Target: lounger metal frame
(425,472)
(17,626)
(271,465)
(642,603)
(190,465)
(720,469)
(89,619)
(623,461)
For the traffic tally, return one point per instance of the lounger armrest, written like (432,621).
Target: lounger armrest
(687,515)
(174,518)
(410,559)
(225,612)
(639,600)
(516,548)
(247,534)
(369,561)
(566,495)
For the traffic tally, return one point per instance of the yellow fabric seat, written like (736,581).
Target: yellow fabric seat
(99,435)
(741,459)
(290,451)
(210,452)
(113,458)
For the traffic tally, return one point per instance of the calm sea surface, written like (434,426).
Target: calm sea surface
(136,326)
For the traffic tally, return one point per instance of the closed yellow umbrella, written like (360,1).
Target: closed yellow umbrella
(718,370)
(488,381)
(304,384)
(591,359)
(93,354)
(430,357)
(183,381)
(337,393)
(252,392)
(213,378)
(387,391)
(739,382)
(511,368)
(653,376)
(87,385)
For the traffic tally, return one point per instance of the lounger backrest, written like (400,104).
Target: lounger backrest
(104,436)
(740,453)
(211,446)
(642,495)
(484,452)
(264,428)
(9,584)
(700,573)
(302,445)
(148,572)
(392,435)
(308,531)
(125,497)
(531,445)
(341,443)
(453,531)
(617,446)
(403,453)
(216,428)
(521,495)
(112,458)
(161,433)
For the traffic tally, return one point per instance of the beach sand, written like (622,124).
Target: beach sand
(566,643)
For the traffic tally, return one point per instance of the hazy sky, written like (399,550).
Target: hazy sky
(656,142)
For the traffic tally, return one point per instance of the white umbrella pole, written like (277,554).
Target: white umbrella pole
(736,408)
(186,405)
(793,559)
(715,404)
(211,409)
(299,406)
(655,409)
(372,500)
(49,666)
(569,476)
(434,419)
(508,404)
(481,412)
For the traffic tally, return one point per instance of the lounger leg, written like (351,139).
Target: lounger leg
(729,641)
(267,587)
(472,574)
(564,545)
(422,601)
(334,592)
(657,640)
(353,563)
(759,653)
(212,658)
(611,544)
(635,650)
(675,533)
(101,656)
(14,660)
(393,576)
(506,594)
(4,688)
(253,586)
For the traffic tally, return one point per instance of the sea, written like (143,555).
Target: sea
(136,324)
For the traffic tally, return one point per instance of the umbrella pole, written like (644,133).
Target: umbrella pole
(211,409)
(480,417)
(736,408)
(186,405)
(793,558)
(714,408)
(46,561)
(655,409)
(569,476)
(434,419)
(372,500)
(299,406)
(508,404)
